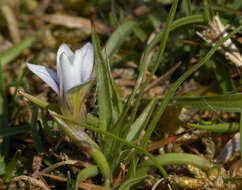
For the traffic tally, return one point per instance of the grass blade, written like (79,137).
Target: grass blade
(34,130)
(88,172)
(141,121)
(13,131)
(119,35)
(11,166)
(131,181)
(103,87)
(41,103)
(228,102)
(10,54)
(187,20)
(180,158)
(218,128)
(4,147)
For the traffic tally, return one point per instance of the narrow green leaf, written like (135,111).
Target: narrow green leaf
(103,87)
(187,7)
(92,120)
(11,166)
(224,78)
(115,93)
(13,131)
(17,84)
(4,115)
(41,103)
(141,121)
(111,147)
(187,20)
(206,11)
(46,127)
(218,128)
(228,102)
(180,158)
(131,181)
(69,184)
(34,130)
(109,99)
(140,33)
(119,35)
(14,51)
(85,173)
(103,165)
(2,166)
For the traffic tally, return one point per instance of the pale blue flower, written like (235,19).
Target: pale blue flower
(73,69)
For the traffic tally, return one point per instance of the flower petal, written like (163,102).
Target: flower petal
(70,55)
(83,62)
(87,62)
(68,76)
(65,48)
(46,74)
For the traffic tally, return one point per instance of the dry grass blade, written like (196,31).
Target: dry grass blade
(232,146)
(120,176)
(86,186)
(12,22)
(156,184)
(73,22)
(67,162)
(163,77)
(217,31)
(31,180)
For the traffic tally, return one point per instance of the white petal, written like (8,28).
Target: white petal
(83,62)
(68,76)
(46,74)
(87,62)
(62,49)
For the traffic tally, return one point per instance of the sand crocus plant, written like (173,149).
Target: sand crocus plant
(71,83)
(71,80)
